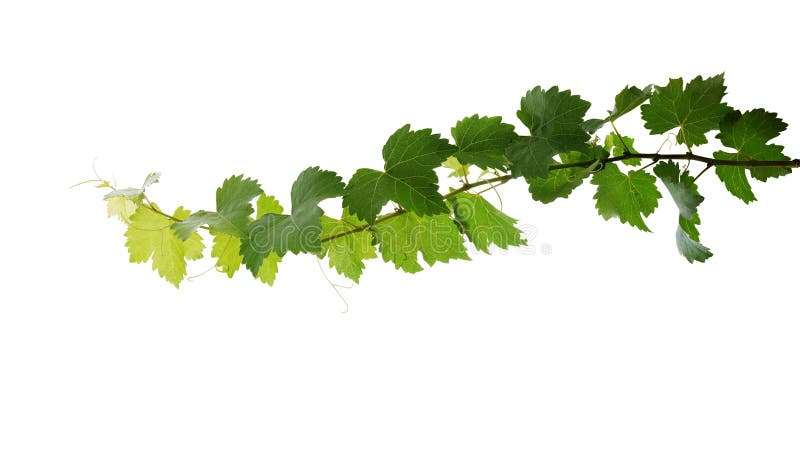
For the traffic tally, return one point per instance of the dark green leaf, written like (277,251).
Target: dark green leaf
(694,111)
(483,141)
(298,232)
(234,208)
(408,177)
(555,121)
(559,183)
(682,188)
(749,134)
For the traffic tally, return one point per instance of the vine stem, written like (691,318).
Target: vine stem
(654,157)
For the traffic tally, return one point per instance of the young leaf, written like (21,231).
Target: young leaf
(134,194)
(347,253)
(400,239)
(483,223)
(408,177)
(555,121)
(694,111)
(226,250)
(458,170)
(298,232)
(629,197)
(483,141)
(149,236)
(121,207)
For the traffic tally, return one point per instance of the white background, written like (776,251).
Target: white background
(610,341)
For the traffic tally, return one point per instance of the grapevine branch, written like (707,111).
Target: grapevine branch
(654,157)
(555,124)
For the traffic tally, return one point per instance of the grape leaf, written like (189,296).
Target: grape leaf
(347,253)
(681,188)
(121,207)
(227,248)
(559,183)
(616,145)
(695,110)
(483,223)
(298,232)
(400,240)
(234,208)
(134,193)
(555,121)
(734,178)
(408,177)
(626,101)
(592,125)
(629,197)
(149,236)
(749,134)
(457,169)
(691,249)
(483,141)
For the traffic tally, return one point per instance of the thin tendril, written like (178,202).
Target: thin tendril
(335,287)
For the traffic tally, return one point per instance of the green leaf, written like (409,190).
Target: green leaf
(734,178)
(400,240)
(234,208)
(483,223)
(269,269)
(483,141)
(267,204)
(226,248)
(347,253)
(298,232)
(691,249)
(626,101)
(458,170)
(559,183)
(121,207)
(682,188)
(592,125)
(749,134)
(629,197)
(555,121)
(134,194)
(408,177)
(694,111)
(149,236)
(617,145)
